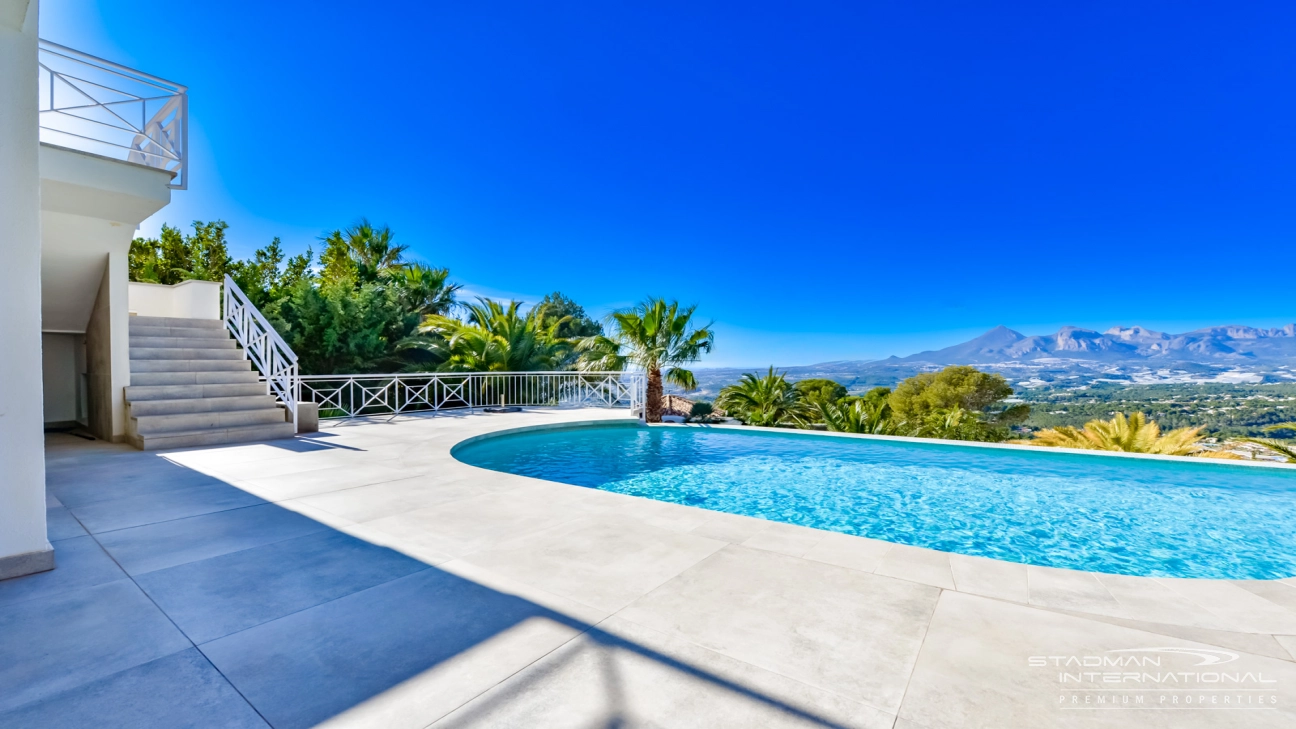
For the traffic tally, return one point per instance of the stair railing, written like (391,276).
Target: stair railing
(261,344)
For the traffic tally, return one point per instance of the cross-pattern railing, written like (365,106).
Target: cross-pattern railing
(93,105)
(349,396)
(269,353)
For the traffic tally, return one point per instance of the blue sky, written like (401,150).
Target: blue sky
(826,180)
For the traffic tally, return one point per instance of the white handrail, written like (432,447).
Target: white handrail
(93,105)
(351,396)
(269,353)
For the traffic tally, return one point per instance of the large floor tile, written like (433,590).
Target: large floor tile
(1238,609)
(1282,594)
(990,577)
(218,596)
(106,481)
(324,480)
(461,527)
(626,675)
(837,629)
(104,516)
(788,539)
(916,564)
(999,665)
(60,524)
(732,528)
(844,550)
(1070,590)
(61,642)
(1149,600)
(348,653)
(366,503)
(179,691)
(1256,643)
(158,546)
(81,563)
(602,561)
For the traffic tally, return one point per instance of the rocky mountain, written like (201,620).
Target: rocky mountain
(1076,357)
(1226,344)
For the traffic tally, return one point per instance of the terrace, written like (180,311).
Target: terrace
(362,576)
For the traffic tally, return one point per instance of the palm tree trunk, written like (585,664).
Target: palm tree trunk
(653,405)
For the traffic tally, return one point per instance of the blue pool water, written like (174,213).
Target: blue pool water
(1104,514)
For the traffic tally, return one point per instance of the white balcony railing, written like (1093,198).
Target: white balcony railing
(97,106)
(350,396)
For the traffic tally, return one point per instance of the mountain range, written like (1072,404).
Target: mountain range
(1075,357)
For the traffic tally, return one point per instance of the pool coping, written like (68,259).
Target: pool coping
(1172,601)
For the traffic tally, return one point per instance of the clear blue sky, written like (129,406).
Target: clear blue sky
(827,180)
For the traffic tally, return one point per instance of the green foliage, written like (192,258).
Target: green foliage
(175,256)
(953,388)
(769,401)
(362,251)
(578,325)
(264,278)
(421,289)
(701,411)
(336,327)
(1225,410)
(858,415)
(497,338)
(954,404)
(815,392)
(951,424)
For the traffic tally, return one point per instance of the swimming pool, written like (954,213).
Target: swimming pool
(1129,516)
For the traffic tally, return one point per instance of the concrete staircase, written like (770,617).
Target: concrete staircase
(191,386)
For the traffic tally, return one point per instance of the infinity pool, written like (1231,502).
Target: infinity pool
(1104,514)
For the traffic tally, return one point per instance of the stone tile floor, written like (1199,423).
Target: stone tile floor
(363,577)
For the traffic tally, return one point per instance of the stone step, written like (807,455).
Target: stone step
(212,437)
(142,353)
(187,422)
(190,379)
(204,333)
(190,365)
(175,321)
(142,393)
(189,405)
(181,343)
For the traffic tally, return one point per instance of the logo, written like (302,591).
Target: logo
(1166,678)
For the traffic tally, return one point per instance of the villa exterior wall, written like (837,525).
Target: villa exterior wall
(24,547)
(185,300)
(107,352)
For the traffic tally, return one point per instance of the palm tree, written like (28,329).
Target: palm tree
(423,290)
(367,249)
(495,338)
(1286,450)
(770,400)
(1134,434)
(858,415)
(654,335)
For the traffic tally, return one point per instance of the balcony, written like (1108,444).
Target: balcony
(91,105)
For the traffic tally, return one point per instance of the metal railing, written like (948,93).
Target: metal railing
(269,353)
(93,105)
(350,396)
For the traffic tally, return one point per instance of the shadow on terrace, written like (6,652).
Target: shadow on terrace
(183,600)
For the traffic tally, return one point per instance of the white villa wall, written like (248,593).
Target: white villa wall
(187,299)
(24,547)
(62,359)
